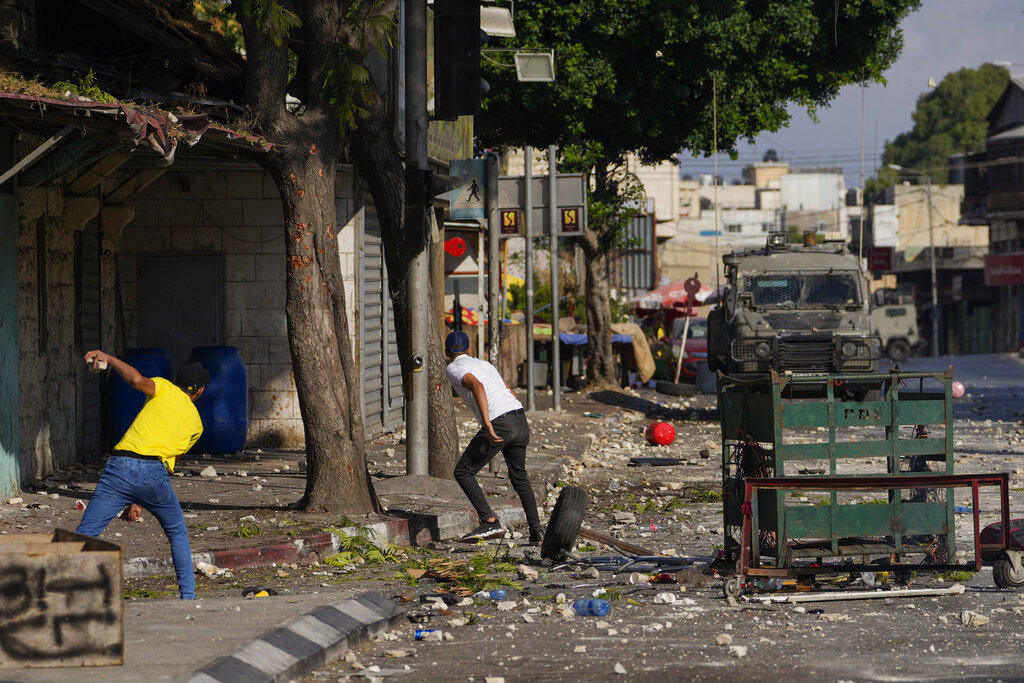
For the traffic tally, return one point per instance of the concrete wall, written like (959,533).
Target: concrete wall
(237,213)
(48,357)
(912,209)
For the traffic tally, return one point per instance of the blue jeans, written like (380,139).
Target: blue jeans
(127,480)
(515,430)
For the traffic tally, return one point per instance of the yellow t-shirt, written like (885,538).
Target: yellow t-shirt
(167,426)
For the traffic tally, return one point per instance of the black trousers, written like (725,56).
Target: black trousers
(515,430)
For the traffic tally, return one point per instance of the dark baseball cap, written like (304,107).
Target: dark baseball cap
(456,342)
(192,376)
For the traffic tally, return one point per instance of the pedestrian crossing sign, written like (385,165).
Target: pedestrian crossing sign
(470,200)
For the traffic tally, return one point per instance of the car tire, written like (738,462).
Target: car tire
(564,525)
(898,350)
(1003,574)
(718,340)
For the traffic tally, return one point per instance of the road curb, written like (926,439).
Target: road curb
(305,643)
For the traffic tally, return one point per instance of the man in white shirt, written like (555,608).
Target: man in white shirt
(503,428)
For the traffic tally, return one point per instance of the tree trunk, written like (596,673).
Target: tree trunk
(601,370)
(304,163)
(326,377)
(378,158)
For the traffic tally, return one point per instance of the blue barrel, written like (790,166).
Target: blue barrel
(224,405)
(123,402)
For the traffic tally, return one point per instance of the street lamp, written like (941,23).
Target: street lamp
(931,248)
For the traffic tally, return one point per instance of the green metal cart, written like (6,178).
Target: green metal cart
(854,454)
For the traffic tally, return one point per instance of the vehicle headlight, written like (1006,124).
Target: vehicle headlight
(849,349)
(762,350)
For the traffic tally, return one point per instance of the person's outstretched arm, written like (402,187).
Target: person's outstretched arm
(131,376)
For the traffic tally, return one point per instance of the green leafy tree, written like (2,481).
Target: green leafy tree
(654,77)
(950,119)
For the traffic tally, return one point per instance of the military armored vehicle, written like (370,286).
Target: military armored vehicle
(793,308)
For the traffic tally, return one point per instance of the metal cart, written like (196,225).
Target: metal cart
(883,470)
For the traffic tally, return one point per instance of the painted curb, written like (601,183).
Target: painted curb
(305,643)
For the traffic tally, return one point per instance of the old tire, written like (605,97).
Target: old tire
(718,340)
(898,350)
(1003,574)
(564,525)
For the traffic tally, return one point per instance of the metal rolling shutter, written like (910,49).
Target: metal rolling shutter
(87,295)
(382,399)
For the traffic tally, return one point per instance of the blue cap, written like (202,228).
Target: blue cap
(456,342)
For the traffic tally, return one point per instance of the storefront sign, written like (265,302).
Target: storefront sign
(880,259)
(1004,270)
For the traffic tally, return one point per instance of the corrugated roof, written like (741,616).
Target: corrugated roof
(160,131)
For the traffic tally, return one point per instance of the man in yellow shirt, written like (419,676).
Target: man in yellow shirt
(138,471)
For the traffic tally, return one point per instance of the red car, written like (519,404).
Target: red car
(696,345)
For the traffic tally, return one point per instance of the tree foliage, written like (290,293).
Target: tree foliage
(950,119)
(641,75)
(653,77)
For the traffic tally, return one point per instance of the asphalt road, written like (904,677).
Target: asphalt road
(698,634)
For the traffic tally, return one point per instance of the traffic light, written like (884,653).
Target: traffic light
(457,41)
(421,186)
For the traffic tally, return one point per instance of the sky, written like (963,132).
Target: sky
(943,36)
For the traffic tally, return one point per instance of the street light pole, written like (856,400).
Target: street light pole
(931,250)
(935,288)
(418,277)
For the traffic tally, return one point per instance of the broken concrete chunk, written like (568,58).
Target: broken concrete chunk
(208,472)
(723,639)
(973,619)
(738,651)
(619,669)
(527,573)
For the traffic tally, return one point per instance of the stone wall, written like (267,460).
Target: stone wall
(237,213)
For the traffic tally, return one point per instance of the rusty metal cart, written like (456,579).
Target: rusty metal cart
(777,449)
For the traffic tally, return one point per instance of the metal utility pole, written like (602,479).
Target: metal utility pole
(935,287)
(556,369)
(931,249)
(416,444)
(493,260)
(528,234)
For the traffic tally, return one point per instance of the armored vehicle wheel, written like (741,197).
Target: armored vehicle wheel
(1004,574)
(733,587)
(564,525)
(718,340)
(898,350)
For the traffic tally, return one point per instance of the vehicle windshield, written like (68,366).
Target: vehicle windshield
(803,290)
(698,328)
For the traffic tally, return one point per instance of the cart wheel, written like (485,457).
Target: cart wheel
(733,587)
(564,525)
(1004,575)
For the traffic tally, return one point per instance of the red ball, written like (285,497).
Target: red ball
(660,433)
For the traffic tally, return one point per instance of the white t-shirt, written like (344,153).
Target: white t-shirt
(500,399)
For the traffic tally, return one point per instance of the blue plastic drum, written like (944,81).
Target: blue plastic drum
(224,405)
(123,402)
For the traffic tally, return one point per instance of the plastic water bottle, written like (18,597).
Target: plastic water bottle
(591,607)
(498,594)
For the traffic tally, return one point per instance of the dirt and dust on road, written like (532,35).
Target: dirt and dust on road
(245,499)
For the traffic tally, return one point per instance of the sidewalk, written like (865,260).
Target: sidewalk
(227,639)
